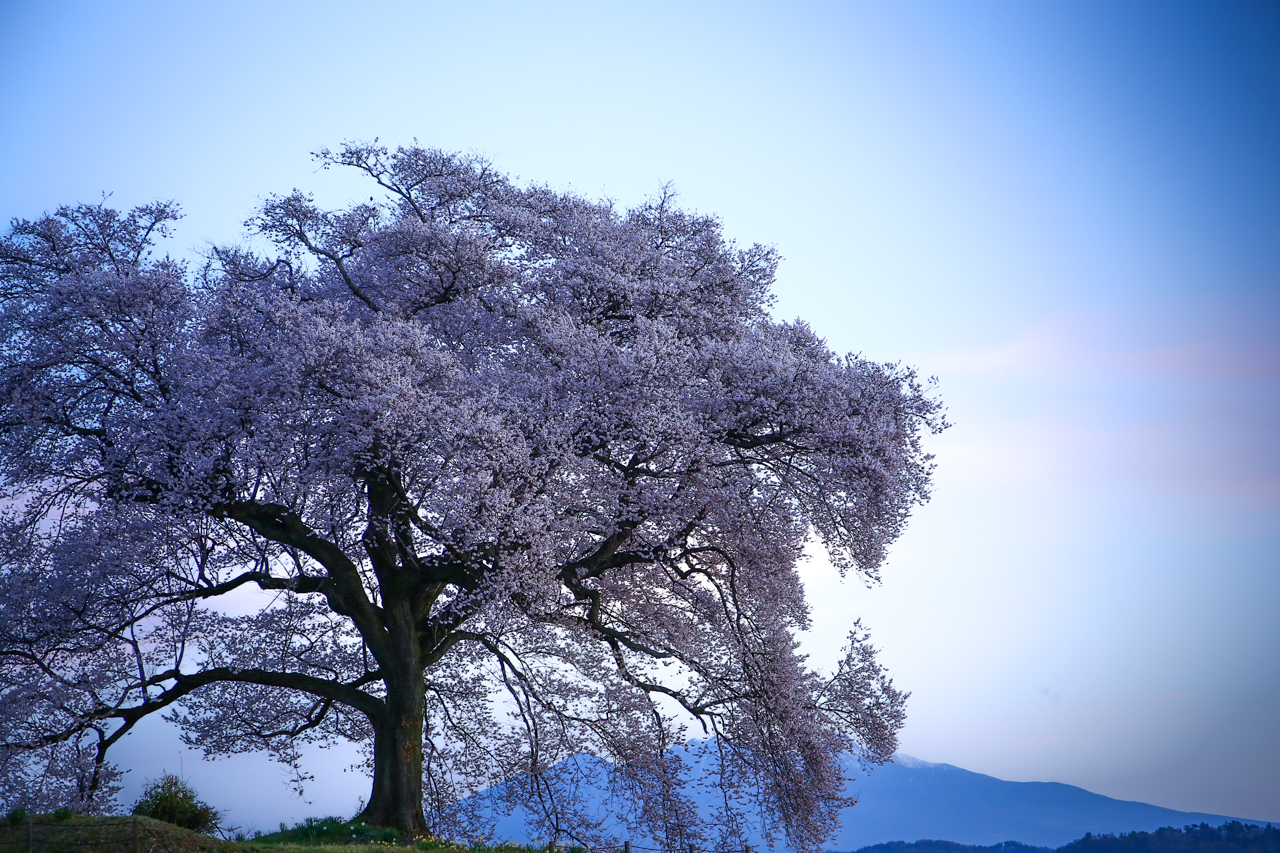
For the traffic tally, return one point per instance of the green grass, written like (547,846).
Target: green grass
(333,834)
(106,835)
(314,835)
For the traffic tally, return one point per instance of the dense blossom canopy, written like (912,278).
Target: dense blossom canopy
(484,476)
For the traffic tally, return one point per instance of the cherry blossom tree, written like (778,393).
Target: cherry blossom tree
(487,477)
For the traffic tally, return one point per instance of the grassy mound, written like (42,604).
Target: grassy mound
(315,835)
(107,835)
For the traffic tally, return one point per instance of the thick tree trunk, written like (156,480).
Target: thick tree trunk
(396,799)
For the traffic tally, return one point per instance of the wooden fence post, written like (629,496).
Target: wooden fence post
(137,844)
(626,846)
(691,850)
(31,834)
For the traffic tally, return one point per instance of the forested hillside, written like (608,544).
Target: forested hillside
(1231,837)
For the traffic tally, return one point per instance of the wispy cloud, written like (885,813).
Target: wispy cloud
(1145,406)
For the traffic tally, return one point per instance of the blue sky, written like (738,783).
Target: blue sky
(1069,212)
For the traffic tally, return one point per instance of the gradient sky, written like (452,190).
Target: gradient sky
(1069,212)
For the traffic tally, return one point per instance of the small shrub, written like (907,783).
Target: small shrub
(16,816)
(173,801)
(62,814)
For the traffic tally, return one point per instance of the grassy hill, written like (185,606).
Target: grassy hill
(106,835)
(145,835)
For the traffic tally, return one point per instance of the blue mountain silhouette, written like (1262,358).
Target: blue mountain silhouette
(912,800)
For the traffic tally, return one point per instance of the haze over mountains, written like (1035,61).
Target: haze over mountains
(910,800)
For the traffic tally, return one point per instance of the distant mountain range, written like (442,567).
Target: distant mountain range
(912,800)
